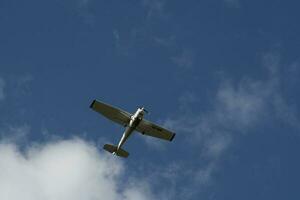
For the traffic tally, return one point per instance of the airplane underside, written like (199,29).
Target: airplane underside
(132,122)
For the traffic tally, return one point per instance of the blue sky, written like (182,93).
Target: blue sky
(223,74)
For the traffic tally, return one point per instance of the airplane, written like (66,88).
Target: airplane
(132,122)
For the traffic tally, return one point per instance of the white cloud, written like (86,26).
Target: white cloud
(236,108)
(66,170)
(2,87)
(240,106)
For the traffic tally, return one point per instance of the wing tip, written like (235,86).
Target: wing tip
(92,104)
(172,136)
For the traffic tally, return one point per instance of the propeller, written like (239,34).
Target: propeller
(146,111)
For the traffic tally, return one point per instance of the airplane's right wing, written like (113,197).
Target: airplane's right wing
(115,114)
(151,129)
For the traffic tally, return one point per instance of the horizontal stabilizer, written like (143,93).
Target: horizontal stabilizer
(114,150)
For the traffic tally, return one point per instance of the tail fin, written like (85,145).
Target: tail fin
(114,150)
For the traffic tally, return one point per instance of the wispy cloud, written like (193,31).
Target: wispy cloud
(286,112)
(238,107)
(233,3)
(2,89)
(166,42)
(155,9)
(128,40)
(14,134)
(294,72)
(23,83)
(124,43)
(184,60)
(85,12)
(84,3)
(82,8)
(64,170)
(16,85)
(235,109)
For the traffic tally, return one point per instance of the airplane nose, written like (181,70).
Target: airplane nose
(146,111)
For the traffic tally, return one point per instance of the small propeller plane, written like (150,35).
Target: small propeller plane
(132,122)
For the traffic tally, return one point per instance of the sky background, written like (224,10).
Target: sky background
(222,74)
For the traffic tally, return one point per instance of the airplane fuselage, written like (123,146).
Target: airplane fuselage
(134,122)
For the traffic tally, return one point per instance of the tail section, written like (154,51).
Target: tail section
(114,150)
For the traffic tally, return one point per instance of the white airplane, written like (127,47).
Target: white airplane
(131,122)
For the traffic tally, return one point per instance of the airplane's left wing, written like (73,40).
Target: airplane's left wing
(115,114)
(151,129)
